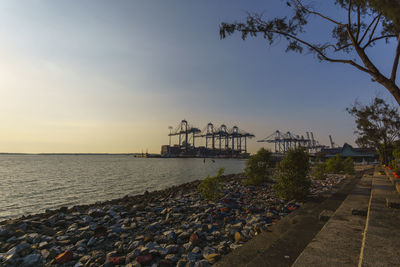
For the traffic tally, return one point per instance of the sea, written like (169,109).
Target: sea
(31,184)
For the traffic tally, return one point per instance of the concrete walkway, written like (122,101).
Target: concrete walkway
(339,241)
(362,232)
(381,246)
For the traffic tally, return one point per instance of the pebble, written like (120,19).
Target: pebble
(172,227)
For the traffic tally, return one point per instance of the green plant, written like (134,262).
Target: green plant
(257,166)
(335,164)
(348,166)
(211,187)
(293,182)
(319,170)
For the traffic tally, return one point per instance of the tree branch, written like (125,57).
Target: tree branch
(358,23)
(301,6)
(369,26)
(372,32)
(323,56)
(396,61)
(349,16)
(337,49)
(378,38)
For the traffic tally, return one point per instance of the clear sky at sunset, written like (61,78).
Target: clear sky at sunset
(111,76)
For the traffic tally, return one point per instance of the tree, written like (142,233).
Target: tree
(367,22)
(211,187)
(348,166)
(335,164)
(293,182)
(378,125)
(257,167)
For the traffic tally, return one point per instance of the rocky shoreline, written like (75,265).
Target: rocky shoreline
(171,227)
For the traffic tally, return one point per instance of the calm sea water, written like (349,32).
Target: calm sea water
(33,183)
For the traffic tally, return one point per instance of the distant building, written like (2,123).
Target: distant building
(366,155)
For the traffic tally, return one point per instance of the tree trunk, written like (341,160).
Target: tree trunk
(389,84)
(392,87)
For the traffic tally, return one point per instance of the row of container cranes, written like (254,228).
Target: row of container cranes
(219,141)
(285,141)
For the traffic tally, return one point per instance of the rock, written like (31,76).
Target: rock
(170,235)
(144,259)
(237,237)
(212,258)
(172,257)
(133,264)
(194,238)
(84,259)
(100,231)
(191,256)
(153,226)
(196,250)
(91,241)
(96,213)
(45,253)
(208,251)
(32,260)
(116,260)
(64,257)
(148,237)
(202,263)
(181,263)
(188,246)
(172,249)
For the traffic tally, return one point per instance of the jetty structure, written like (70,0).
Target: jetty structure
(220,142)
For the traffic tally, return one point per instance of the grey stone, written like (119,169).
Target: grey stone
(32,260)
(91,241)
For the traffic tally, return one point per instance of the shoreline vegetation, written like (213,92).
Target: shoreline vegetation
(169,227)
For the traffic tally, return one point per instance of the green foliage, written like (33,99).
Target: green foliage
(396,153)
(335,164)
(348,166)
(319,170)
(378,125)
(396,160)
(211,187)
(293,182)
(257,166)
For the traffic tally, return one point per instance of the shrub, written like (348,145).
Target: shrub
(348,166)
(293,182)
(319,170)
(211,187)
(334,165)
(257,166)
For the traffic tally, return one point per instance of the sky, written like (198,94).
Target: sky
(111,76)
